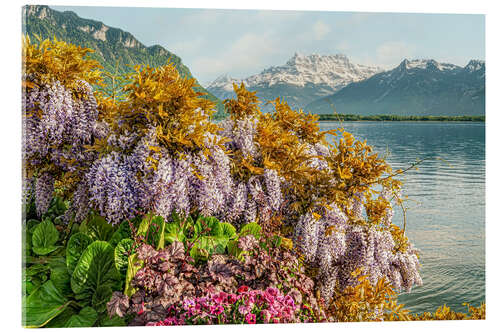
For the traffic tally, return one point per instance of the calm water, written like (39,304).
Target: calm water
(446,216)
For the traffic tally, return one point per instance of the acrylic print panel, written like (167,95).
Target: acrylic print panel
(298,167)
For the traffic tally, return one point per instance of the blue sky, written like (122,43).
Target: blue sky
(243,42)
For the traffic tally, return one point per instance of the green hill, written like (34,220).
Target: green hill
(112,45)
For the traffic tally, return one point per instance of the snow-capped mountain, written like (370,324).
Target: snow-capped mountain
(303,79)
(222,87)
(416,87)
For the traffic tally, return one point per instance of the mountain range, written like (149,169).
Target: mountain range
(417,87)
(114,48)
(322,84)
(302,80)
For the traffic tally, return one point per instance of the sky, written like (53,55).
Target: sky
(241,43)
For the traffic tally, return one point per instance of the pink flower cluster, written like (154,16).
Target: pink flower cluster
(244,307)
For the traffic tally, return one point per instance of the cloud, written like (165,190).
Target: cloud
(187,47)
(283,15)
(357,18)
(249,52)
(393,52)
(201,17)
(343,46)
(386,55)
(320,29)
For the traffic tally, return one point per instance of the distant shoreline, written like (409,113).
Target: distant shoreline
(353,117)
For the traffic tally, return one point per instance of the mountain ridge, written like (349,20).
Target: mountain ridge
(112,45)
(302,79)
(418,87)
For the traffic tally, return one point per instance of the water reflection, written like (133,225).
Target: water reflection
(446,215)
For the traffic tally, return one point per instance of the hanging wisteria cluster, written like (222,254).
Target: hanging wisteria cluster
(123,185)
(58,127)
(338,248)
(260,196)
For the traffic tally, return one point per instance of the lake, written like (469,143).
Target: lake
(446,215)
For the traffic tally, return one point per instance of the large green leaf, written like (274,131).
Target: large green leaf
(201,250)
(45,236)
(116,321)
(161,240)
(43,305)
(232,248)
(101,297)
(134,264)
(37,269)
(86,318)
(122,252)
(210,236)
(59,274)
(173,233)
(224,230)
(205,246)
(97,228)
(75,248)
(61,319)
(251,228)
(95,269)
(144,225)
(205,225)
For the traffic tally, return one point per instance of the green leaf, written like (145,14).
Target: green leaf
(251,228)
(220,245)
(123,231)
(31,224)
(57,207)
(61,319)
(232,248)
(45,235)
(75,248)
(96,268)
(144,225)
(122,252)
(203,247)
(86,318)
(37,269)
(205,226)
(224,230)
(27,286)
(43,305)
(176,218)
(161,240)
(27,240)
(101,296)
(97,228)
(134,264)
(116,321)
(173,233)
(276,241)
(59,274)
